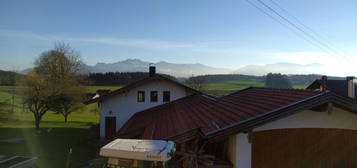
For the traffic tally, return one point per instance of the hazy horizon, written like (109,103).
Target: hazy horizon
(222,34)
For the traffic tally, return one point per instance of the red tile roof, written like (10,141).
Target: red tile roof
(210,114)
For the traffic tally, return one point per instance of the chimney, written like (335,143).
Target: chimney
(152,70)
(323,83)
(350,86)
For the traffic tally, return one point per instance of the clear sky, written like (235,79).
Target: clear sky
(220,33)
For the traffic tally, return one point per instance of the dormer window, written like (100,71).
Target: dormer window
(153,96)
(166,96)
(141,96)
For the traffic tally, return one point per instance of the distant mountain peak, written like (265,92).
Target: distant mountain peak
(195,69)
(137,65)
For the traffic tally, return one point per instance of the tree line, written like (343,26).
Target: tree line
(117,78)
(294,79)
(8,78)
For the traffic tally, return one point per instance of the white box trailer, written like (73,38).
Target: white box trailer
(137,153)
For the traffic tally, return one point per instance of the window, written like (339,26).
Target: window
(153,96)
(166,96)
(141,96)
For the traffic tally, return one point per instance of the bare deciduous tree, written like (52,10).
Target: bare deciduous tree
(62,67)
(57,85)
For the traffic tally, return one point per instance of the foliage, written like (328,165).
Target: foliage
(61,68)
(55,84)
(302,80)
(37,96)
(193,156)
(278,80)
(65,104)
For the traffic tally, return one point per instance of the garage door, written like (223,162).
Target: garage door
(304,148)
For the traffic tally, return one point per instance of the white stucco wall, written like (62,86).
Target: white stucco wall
(123,106)
(242,151)
(338,118)
(232,150)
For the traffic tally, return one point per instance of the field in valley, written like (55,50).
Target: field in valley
(57,137)
(227,87)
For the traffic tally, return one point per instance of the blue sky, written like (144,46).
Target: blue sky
(220,33)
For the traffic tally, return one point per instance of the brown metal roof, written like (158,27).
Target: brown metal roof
(207,114)
(172,118)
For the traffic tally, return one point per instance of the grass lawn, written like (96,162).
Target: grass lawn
(56,137)
(51,146)
(224,88)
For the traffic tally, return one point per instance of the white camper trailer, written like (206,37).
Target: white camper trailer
(138,153)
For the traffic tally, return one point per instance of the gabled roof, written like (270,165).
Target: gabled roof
(213,118)
(138,83)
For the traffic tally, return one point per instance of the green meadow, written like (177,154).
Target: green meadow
(227,87)
(52,143)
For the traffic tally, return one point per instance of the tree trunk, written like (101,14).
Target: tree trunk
(37,120)
(65,118)
(37,123)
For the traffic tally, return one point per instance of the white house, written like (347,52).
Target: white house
(119,105)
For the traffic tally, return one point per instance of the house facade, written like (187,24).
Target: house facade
(118,106)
